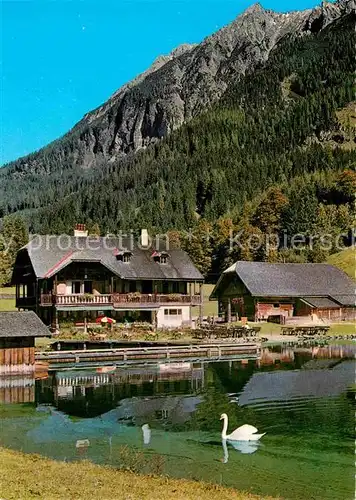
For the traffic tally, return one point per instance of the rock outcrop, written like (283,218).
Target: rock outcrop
(177,87)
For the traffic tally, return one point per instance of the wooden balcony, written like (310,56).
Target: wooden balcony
(120,300)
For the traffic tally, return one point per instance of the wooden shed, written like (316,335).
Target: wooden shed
(265,291)
(18,331)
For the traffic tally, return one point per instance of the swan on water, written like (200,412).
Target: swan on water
(244,433)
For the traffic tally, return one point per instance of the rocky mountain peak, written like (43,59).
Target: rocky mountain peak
(180,85)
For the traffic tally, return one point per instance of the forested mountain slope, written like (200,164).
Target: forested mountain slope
(275,155)
(277,122)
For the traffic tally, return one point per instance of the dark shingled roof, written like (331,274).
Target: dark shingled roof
(264,279)
(321,302)
(50,254)
(346,300)
(22,324)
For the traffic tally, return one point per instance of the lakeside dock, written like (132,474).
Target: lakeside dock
(127,354)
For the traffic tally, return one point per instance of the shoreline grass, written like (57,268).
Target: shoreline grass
(25,477)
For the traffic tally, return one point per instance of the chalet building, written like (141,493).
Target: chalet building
(79,278)
(18,331)
(262,291)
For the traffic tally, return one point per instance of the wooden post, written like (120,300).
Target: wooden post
(201,303)
(37,296)
(190,306)
(228,318)
(56,322)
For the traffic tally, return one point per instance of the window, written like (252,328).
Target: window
(161,414)
(276,305)
(88,287)
(173,312)
(175,287)
(123,256)
(160,257)
(76,287)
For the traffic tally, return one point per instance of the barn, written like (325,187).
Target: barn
(18,331)
(264,291)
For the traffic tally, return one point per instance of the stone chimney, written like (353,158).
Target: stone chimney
(144,238)
(80,231)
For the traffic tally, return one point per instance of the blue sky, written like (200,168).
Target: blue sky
(62,58)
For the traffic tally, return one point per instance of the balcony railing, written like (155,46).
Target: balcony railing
(120,300)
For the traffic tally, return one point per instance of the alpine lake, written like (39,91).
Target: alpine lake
(301,396)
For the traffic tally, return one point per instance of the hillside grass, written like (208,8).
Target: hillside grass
(7,305)
(210,308)
(25,477)
(345,260)
(9,290)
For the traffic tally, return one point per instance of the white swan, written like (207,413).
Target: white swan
(244,433)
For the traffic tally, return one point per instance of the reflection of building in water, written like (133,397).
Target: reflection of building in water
(17,389)
(295,384)
(334,351)
(167,409)
(87,393)
(271,355)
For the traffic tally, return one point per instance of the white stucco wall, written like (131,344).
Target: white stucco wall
(69,288)
(172,321)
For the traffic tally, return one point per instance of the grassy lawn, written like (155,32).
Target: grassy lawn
(9,290)
(31,476)
(7,305)
(345,260)
(342,329)
(209,308)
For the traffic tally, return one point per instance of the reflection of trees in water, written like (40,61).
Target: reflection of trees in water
(222,378)
(332,416)
(231,375)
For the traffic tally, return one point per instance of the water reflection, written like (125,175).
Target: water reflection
(88,394)
(17,389)
(304,400)
(146,432)
(244,447)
